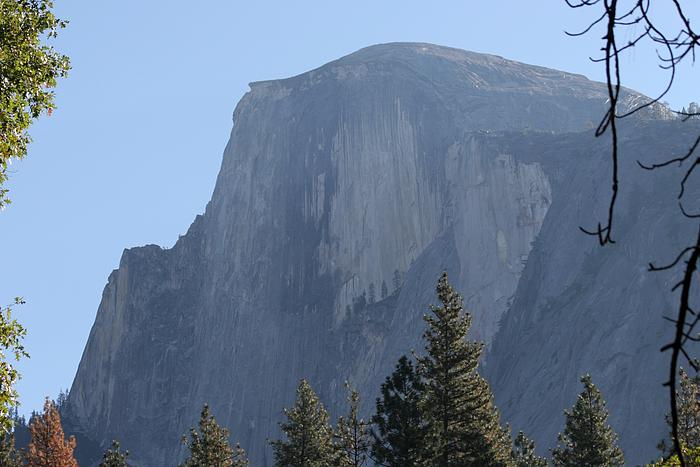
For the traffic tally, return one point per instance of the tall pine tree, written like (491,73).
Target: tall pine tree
(114,456)
(48,446)
(588,440)
(352,433)
(209,447)
(524,452)
(309,436)
(399,428)
(464,426)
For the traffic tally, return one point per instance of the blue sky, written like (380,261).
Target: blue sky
(132,152)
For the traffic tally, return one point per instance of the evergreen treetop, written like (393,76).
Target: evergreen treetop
(524,452)
(309,436)
(352,433)
(688,403)
(464,426)
(588,440)
(114,457)
(399,430)
(209,447)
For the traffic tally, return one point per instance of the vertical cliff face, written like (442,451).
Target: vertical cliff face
(580,308)
(342,195)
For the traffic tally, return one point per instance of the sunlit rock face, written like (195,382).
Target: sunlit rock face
(343,193)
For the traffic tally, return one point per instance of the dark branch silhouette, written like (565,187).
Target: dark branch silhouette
(675,46)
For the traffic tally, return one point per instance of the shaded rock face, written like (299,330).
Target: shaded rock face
(343,194)
(580,308)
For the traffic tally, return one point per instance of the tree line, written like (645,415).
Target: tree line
(434,409)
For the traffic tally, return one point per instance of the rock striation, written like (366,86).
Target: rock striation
(342,195)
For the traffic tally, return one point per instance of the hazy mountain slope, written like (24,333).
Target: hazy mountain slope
(373,166)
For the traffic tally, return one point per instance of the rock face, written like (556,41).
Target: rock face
(580,308)
(343,194)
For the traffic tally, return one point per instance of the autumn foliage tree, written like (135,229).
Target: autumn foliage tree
(48,446)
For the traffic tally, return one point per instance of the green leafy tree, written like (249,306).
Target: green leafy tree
(114,456)
(29,71)
(691,457)
(309,436)
(11,348)
(524,452)
(9,456)
(588,440)
(399,429)
(209,447)
(464,425)
(352,433)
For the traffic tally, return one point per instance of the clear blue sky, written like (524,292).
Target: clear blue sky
(131,154)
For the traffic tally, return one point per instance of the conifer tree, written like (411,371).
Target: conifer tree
(209,447)
(114,457)
(399,428)
(372,296)
(524,452)
(384,290)
(352,433)
(688,403)
(48,446)
(588,440)
(464,426)
(9,456)
(309,436)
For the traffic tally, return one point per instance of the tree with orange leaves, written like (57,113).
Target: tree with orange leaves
(48,446)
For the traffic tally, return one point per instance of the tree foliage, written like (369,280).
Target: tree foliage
(463,422)
(9,456)
(588,439)
(524,452)
(399,430)
(48,446)
(209,447)
(352,433)
(691,458)
(688,398)
(114,456)
(11,348)
(309,436)
(29,70)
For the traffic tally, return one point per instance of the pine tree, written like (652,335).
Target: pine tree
(114,457)
(48,447)
(397,280)
(9,456)
(309,436)
(524,452)
(384,290)
(372,295)
(209,447)
(400,430)
(588,440)
(688,400)
(464,426)
(352,433)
